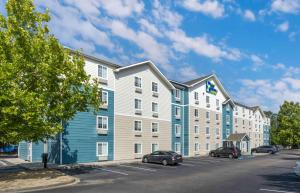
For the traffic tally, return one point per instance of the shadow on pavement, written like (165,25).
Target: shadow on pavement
(286,181)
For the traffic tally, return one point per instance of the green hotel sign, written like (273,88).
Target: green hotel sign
(210,88)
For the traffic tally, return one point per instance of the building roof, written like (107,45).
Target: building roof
(151,65)
(243,105)
(238,137)
(195,81)
(257,108)
(178,84)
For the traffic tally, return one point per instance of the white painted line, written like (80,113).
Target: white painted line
(269,190)
(139,168)
(112,171)
(3,163)
(185,164)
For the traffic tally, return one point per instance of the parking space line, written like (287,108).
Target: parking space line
(139,168)
(113,171)
(160,165)
(3,163)
(185,164)
(269,190)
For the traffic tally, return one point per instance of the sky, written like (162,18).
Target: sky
(252,46)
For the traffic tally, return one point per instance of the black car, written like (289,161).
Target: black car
(231,152)
(265,149)
(164,157)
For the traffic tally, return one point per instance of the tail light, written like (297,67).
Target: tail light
(173,158)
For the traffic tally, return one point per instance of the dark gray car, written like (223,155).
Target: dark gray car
(164,157)
(264,149)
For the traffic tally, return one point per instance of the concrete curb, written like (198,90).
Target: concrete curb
(41,188)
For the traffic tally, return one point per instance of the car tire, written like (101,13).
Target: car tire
(164,162)
(212,155)
(230,156)
(145,160)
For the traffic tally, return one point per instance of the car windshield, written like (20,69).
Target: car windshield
(172,153)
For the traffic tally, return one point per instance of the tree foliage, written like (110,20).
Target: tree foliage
(41,82)
(288,130)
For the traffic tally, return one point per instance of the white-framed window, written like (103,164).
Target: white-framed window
(196,129)
(227,132)
(235,108)
(196,96)
(207,147)
(217,131)
(196,112)
(138,104)
(177,147)
(217,117)
(177,93)
(177,111)
(137,125)
(243,122)
(207,115)
(104,97)
(177,129)
(235,120)
(227,107)
(154,147)
(155,127)
(217,102)
(207,131)
(154,87)
(227,119)
(243,110)
(197,147)
(102,72)
(102,122)
(102,149)
(207,99)
(217,145)
(137,82)
(138,148)
(154,107)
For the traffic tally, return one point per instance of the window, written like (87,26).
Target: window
(177,93)
(217,117)
(154,107)
(196,128)
(154,87)
(235,108)
(154,127)
(196,96)
(102,71)
(102,148)
(227,119)
(177,147)
(217,145)
(104,97)
(227,132)
(137,125)
(207,130)
(177,130)
(217,131)
(243,110)
(196,113)
(207,99)
(138,148)
(227,107)
(235,120)
(138,82)
(217,102)
(207,146)
(177,111)
(138,104)
(197,147)
(243,122)
(207,115)
(154,147)
(102,122)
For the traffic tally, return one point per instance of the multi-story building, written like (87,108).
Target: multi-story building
(143,111)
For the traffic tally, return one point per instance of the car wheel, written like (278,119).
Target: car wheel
(164,162)
(230,156)
(212,155)
(145,160)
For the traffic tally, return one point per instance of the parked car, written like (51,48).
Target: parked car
(265,149)
(231,152)
(297,168)
(164,157)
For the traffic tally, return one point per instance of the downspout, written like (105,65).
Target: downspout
(60,146)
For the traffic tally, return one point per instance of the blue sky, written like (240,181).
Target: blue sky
(253,46)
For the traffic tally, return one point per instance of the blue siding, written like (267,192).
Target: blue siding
(23,150)
(266,135)
(225,126)
(37,150)
(80,135)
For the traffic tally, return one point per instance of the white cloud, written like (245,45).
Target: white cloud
(122,8)
(257,62)
(279,66)
(286,6)
(200,45)
(166,15)
(211,8)
(187,73)
(149,27)
(152,49)
(283,27)
(249,15)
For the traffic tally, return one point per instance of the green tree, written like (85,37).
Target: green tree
(41,82)
(288,132)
